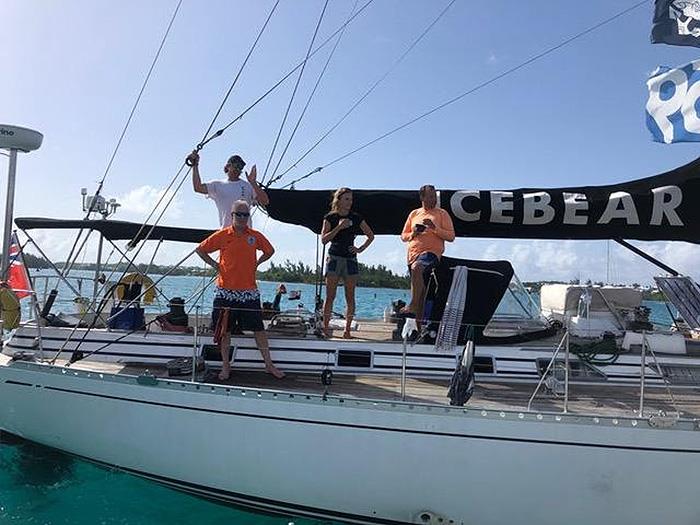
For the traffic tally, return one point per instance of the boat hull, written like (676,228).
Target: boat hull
(358,460)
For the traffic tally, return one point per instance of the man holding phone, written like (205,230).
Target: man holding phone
(426,230)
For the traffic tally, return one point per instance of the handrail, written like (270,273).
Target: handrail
(667,384)
(549,366)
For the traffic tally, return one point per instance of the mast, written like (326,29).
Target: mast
(9,204)
(14,139)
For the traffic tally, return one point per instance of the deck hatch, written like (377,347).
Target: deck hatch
(355,358)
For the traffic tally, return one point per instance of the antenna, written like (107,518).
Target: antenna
(98,204)
(14,138)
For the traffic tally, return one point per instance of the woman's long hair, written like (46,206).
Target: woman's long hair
(336,198)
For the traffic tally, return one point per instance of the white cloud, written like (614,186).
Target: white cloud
(138,203)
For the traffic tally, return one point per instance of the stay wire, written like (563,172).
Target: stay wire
(308,101)
(128,121)
(366,94)
(165,192)
(281,81)
(138,98)
(240,71)
(211,125)
(296,87)
(220,132)
(473,90)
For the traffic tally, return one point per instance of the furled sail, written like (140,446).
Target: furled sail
(661,207)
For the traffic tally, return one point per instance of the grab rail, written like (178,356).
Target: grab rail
(564,339)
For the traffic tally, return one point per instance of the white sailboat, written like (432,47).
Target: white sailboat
(381,450)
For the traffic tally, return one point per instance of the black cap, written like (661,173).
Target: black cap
(236,160)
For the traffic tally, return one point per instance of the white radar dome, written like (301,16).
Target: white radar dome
(23,139)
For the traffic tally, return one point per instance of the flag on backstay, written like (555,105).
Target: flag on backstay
(17,278)
(676,22)
(672,107)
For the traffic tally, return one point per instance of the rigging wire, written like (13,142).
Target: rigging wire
(182,167)
(213,121)
(308,100)
(138,99)
(100,185)
(222,130)
(134,240)
(476,88)
(240,70)
(296,86)
(366,94)
(285,77)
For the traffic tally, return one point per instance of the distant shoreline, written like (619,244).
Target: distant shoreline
(299,273)
(290,272)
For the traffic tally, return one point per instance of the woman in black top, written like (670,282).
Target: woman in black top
(340,227)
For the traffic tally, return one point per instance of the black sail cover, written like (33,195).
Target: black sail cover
(659,208)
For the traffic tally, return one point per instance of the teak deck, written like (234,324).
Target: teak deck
(617,401)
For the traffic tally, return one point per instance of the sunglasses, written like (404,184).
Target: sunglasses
(241,214)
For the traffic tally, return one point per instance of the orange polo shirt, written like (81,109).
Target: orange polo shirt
(431,240)
(237,256)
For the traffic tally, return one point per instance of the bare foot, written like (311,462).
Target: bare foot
(224,375)
(347,335)
(327,333)
(273,370)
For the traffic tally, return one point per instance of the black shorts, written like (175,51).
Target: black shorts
(341,267)
(247,315)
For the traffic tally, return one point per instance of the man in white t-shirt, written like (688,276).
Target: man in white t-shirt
(225,192)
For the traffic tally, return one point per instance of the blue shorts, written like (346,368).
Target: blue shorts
(427,260)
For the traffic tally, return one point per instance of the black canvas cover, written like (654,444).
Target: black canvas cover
(657,208)
(487,282)
(116,230)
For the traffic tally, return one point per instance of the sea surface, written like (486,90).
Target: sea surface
(39,485)
(370,302)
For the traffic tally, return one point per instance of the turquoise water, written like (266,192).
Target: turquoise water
(370,302)
(41,486)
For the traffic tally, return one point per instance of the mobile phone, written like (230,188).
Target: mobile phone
(420,227)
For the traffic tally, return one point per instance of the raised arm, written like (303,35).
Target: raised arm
(260,194)
(197,185)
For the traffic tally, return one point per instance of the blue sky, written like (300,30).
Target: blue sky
(72,70)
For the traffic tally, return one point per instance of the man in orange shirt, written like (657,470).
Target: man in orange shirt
(237,298)
(426,230)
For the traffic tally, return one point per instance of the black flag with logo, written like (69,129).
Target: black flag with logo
(676,22)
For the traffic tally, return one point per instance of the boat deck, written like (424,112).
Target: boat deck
(617,401)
